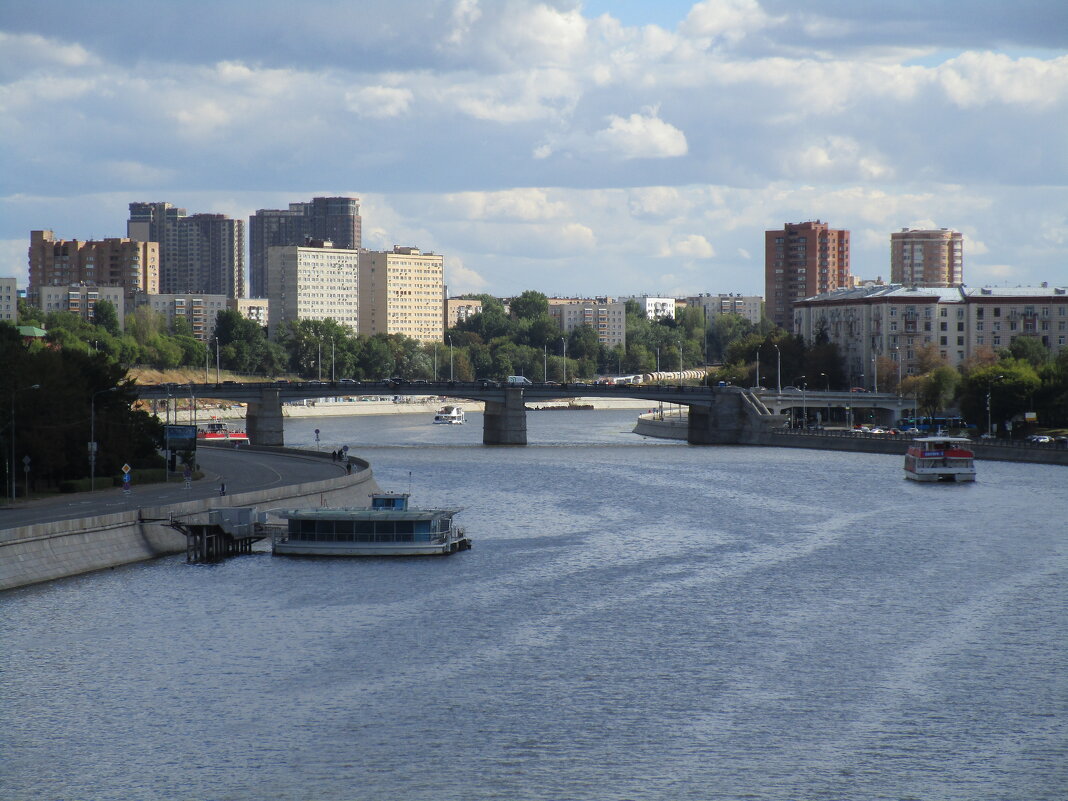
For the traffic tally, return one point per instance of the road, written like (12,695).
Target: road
(241,470)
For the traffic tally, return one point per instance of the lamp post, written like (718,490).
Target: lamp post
(544,362)
(92,436)
(778,357)
(435,362)
(804,402)
(319,359)
(989,387)
(827,379)
(332,379)
(564,343)
(218,377)
(450,357)
(874,374)
(13,393)
(756,384)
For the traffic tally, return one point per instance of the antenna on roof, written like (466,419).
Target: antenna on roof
(409,482)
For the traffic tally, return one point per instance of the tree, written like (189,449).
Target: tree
(1029,349)
(529,305)
(105,316)
(934,390)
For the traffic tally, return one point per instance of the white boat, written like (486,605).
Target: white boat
(388,528)
(940,458)
(453,415)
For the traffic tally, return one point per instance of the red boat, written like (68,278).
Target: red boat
(220,432)
(938,458)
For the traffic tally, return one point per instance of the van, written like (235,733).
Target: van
(522,381)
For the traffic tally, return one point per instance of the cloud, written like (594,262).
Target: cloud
(379,101)
(462,280)
(693,246)
(641,136)
(729,20)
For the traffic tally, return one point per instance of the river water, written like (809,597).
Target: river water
(637,620)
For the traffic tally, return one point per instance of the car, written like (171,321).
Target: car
(790,389)
(396,381)
(487,383)
(911,430)
(859,389)
(1039,439)
(347,381)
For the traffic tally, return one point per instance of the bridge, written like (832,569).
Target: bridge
(716,415)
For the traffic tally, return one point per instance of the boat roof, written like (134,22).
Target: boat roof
(363,513)
(933,438)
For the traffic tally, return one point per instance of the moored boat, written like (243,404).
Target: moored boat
(449,415)
(388,528)
(940,458)
(216,431)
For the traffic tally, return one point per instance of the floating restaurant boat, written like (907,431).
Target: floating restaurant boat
(447,415)
(388,528)
(216,431)
(939,458)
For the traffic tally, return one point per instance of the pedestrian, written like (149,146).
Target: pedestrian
(222,488)
(348,467)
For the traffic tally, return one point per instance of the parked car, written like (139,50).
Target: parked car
(1039,439)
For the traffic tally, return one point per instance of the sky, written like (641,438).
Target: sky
(606,147)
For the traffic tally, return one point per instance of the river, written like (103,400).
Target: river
(638,619)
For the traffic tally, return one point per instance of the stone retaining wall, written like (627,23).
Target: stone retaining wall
(47,551)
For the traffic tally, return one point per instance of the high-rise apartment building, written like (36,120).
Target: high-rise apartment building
(459,309)
(927,258)
(402,291)
(201,253)
(158,222)
(654,308)
(333,219)
(197,309)
(316,282)
(81,299)
(125,263)
(801,260)
(211,256)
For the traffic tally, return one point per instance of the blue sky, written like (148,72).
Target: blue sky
(572,147)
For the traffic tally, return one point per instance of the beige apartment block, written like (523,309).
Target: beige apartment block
(255,309)
(9,300)
(459,309)
(895,321)
(402,291)
(81,299)
(933,258)
(317,282)
(608,318)
(126,263)
(749,307)
(199,310)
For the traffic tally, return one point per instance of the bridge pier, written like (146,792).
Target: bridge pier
(263,420)
(505,423)
(719,423)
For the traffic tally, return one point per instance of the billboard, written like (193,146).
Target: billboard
(180,438)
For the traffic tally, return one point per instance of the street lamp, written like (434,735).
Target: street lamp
(332,378)
(778,356)
(757,382)
(319,359)
(92,435)
(827,378)
(874,374)
(804,402)
(450,357)
(544,362)
(989,387)
(564,343)
(218,377)
(13,393)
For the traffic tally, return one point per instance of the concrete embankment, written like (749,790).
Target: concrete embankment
(47,551)
(675,427)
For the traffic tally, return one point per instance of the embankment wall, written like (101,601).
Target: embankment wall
(46,551)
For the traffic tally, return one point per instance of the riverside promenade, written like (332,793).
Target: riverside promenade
(673,425)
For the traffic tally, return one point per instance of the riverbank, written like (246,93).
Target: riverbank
(675,426)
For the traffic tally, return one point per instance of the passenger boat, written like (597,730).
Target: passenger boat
(216,431)
(449,415)
(388,528)
(940,458)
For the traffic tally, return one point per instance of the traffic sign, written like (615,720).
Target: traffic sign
(126,468)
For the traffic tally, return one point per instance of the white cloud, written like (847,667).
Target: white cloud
(379,101)
(512,205)
(725,19)
(462,280)
(693,246)
(641,136)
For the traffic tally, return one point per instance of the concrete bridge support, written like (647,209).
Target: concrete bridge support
(263,420)
(718,423)
(505,423)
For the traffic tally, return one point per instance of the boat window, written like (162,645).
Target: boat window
(385,527)
(342,526)
(363,526)
(405,527)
